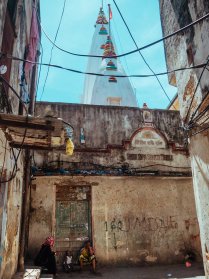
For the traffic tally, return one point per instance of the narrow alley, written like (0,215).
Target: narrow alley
(104,139)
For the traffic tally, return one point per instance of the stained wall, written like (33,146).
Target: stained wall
(187,49)
(135,220)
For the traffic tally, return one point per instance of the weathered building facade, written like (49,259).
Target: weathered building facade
(127,187)
(17,92)
(187,49)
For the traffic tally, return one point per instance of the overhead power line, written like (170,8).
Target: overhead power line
(14,91)
(130,52)
(15,167)
(140,53)
(201,131)
(104,75)
(53,46)
(196,88)
(193,118)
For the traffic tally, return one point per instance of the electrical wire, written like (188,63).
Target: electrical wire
(206,119)
(130,52)
(121,46)
(140,53)
(13,90)
(112,166)
(199,116)
(8,105)
(199,106)
(196,88)
(15,167)
(104,75)
(53,46)
(39,74)
(4,159)
(98,167)
(203,130)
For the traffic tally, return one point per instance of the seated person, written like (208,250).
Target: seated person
(68,262)
(46,256)
(87,256)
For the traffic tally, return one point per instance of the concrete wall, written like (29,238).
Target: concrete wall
(200,169)
(187,49)
(135,220)
(42,214)
(117,137)
(10,210)
(105,125)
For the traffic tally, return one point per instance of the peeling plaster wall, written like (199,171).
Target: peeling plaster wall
(134,220)
(11,200)
(200,169)
(10,211)
(42,213)
(105,125)
(112,138)
(191,48)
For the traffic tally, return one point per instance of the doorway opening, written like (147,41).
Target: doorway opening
(73,220)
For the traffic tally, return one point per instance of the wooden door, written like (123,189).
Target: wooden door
(73,220)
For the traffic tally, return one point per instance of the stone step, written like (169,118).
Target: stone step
(30,273)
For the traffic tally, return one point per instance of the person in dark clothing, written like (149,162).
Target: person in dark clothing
(46,256)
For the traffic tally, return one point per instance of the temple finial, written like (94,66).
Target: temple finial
(101,17)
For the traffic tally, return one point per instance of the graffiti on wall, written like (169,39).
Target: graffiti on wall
(142,223)
(153,231)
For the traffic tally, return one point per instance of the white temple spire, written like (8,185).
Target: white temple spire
(108,90)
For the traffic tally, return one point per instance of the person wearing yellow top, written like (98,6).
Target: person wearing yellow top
(87,256)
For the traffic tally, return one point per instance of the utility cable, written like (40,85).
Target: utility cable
(201,131)
(15,169)
(196,88)
(39,73)
(4,160)
(121,46)
(13,90)
(140,53)
(206,119)
(199,106)
(104,75)
(40,69)
(53,46)
(130,52)
(199,116)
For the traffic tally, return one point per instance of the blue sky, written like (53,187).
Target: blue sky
(76,33)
